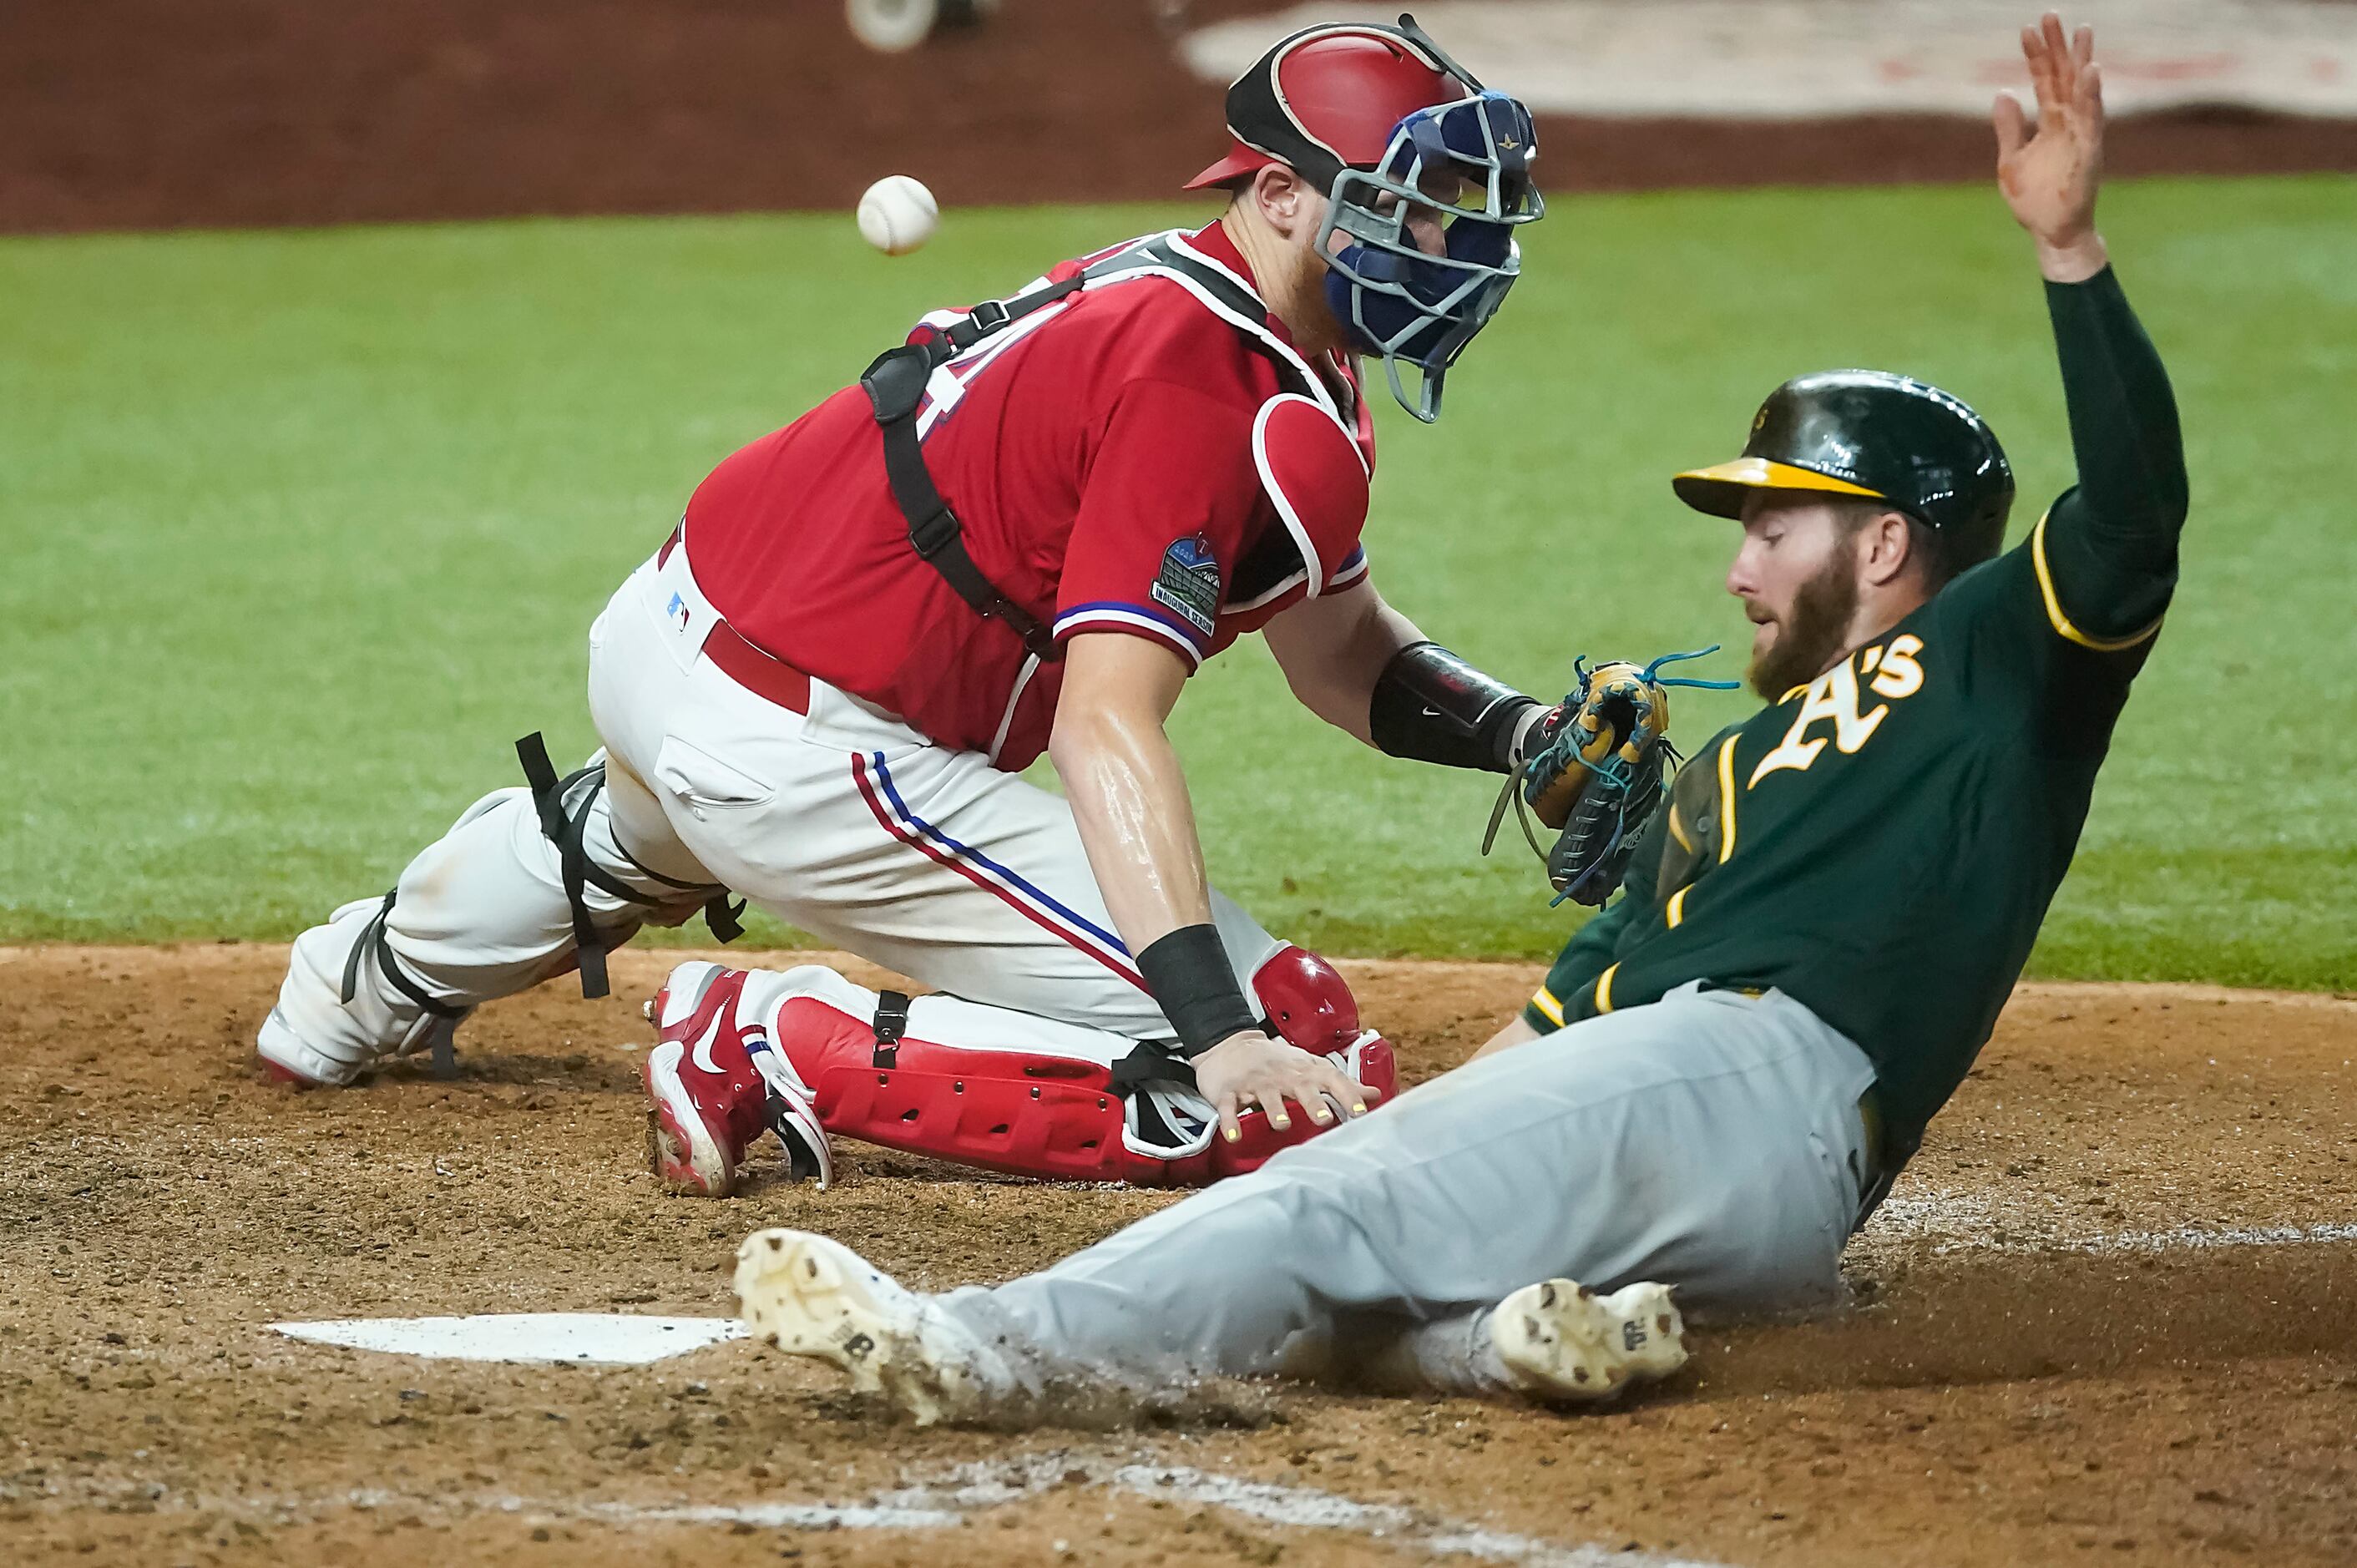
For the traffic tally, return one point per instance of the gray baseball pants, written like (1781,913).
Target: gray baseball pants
(1711,1140)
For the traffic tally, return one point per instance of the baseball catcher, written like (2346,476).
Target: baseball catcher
(1726,1069)
(1020,534)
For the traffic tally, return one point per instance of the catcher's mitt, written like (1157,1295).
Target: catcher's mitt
(1592,767)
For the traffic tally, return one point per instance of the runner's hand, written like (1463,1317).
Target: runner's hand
(2050,176)
(1249,1068)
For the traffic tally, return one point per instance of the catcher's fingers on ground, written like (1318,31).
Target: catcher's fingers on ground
(1250,1069)
(1323,1090)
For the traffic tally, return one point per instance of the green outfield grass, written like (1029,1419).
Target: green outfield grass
(304,528)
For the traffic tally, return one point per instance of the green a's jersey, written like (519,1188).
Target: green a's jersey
(1882,843)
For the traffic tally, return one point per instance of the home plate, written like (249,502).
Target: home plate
(596,1338)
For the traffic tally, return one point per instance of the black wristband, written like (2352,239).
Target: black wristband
(1187,972)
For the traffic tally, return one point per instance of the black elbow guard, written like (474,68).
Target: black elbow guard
(1432,707)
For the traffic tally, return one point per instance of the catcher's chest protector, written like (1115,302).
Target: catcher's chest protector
(900,379)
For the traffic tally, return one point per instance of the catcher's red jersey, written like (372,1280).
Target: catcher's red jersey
(1129,460)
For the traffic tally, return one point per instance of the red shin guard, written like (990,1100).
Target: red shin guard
(1038,1111)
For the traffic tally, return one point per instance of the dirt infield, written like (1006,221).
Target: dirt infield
(2106,1317)
(145,113)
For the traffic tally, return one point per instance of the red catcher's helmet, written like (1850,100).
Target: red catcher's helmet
(1327,97)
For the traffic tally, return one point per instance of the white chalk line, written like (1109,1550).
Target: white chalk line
(949,1499)
(2186,1239)
(944,1500)
(1306,1508)
(1952,1221)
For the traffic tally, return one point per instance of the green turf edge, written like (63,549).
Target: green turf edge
(2204,860)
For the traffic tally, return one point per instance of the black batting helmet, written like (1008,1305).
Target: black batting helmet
(1872,435)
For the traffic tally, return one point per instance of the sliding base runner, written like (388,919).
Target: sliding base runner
(1727,1068)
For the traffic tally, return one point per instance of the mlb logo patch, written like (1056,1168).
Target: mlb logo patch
(1188,584)
(677,610)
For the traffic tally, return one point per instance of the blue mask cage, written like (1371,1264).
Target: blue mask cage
(1399,302)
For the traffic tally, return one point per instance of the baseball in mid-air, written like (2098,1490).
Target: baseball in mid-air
(898,214)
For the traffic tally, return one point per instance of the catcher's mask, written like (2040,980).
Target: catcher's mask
(1874,435)
(1386,124)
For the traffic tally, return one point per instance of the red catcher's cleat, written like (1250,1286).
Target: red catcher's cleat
(714,1085)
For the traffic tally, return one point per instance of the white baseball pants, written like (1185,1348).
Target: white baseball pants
(842,821)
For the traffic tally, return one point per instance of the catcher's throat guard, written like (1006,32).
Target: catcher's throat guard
(1399,302)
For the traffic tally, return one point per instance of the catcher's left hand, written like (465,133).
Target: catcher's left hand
(1592,767)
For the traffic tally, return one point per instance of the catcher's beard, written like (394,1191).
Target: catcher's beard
(1813,633)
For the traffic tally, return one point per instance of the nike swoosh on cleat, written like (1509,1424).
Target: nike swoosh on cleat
(703,1053)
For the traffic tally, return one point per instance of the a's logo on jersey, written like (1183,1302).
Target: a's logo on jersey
(1188,584)
(1895,672)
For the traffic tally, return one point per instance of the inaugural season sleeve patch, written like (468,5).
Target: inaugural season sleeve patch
(1188,584)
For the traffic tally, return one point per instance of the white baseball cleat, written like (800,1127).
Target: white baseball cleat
(1558,1339)
(810,1296)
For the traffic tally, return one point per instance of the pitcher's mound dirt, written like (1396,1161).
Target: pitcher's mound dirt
(2106,1317)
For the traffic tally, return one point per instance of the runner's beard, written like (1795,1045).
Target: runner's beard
(1813,633)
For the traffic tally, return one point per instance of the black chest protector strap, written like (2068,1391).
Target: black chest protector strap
(896,382)
(895,386)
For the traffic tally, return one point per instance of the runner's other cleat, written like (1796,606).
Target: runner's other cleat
(1559,1340)
(810,1296)
(714,1085)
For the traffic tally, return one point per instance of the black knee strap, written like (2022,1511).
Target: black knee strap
(724,919)
(573,864)
(892,1023)
(579,872)
(719,914)
(372,938)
